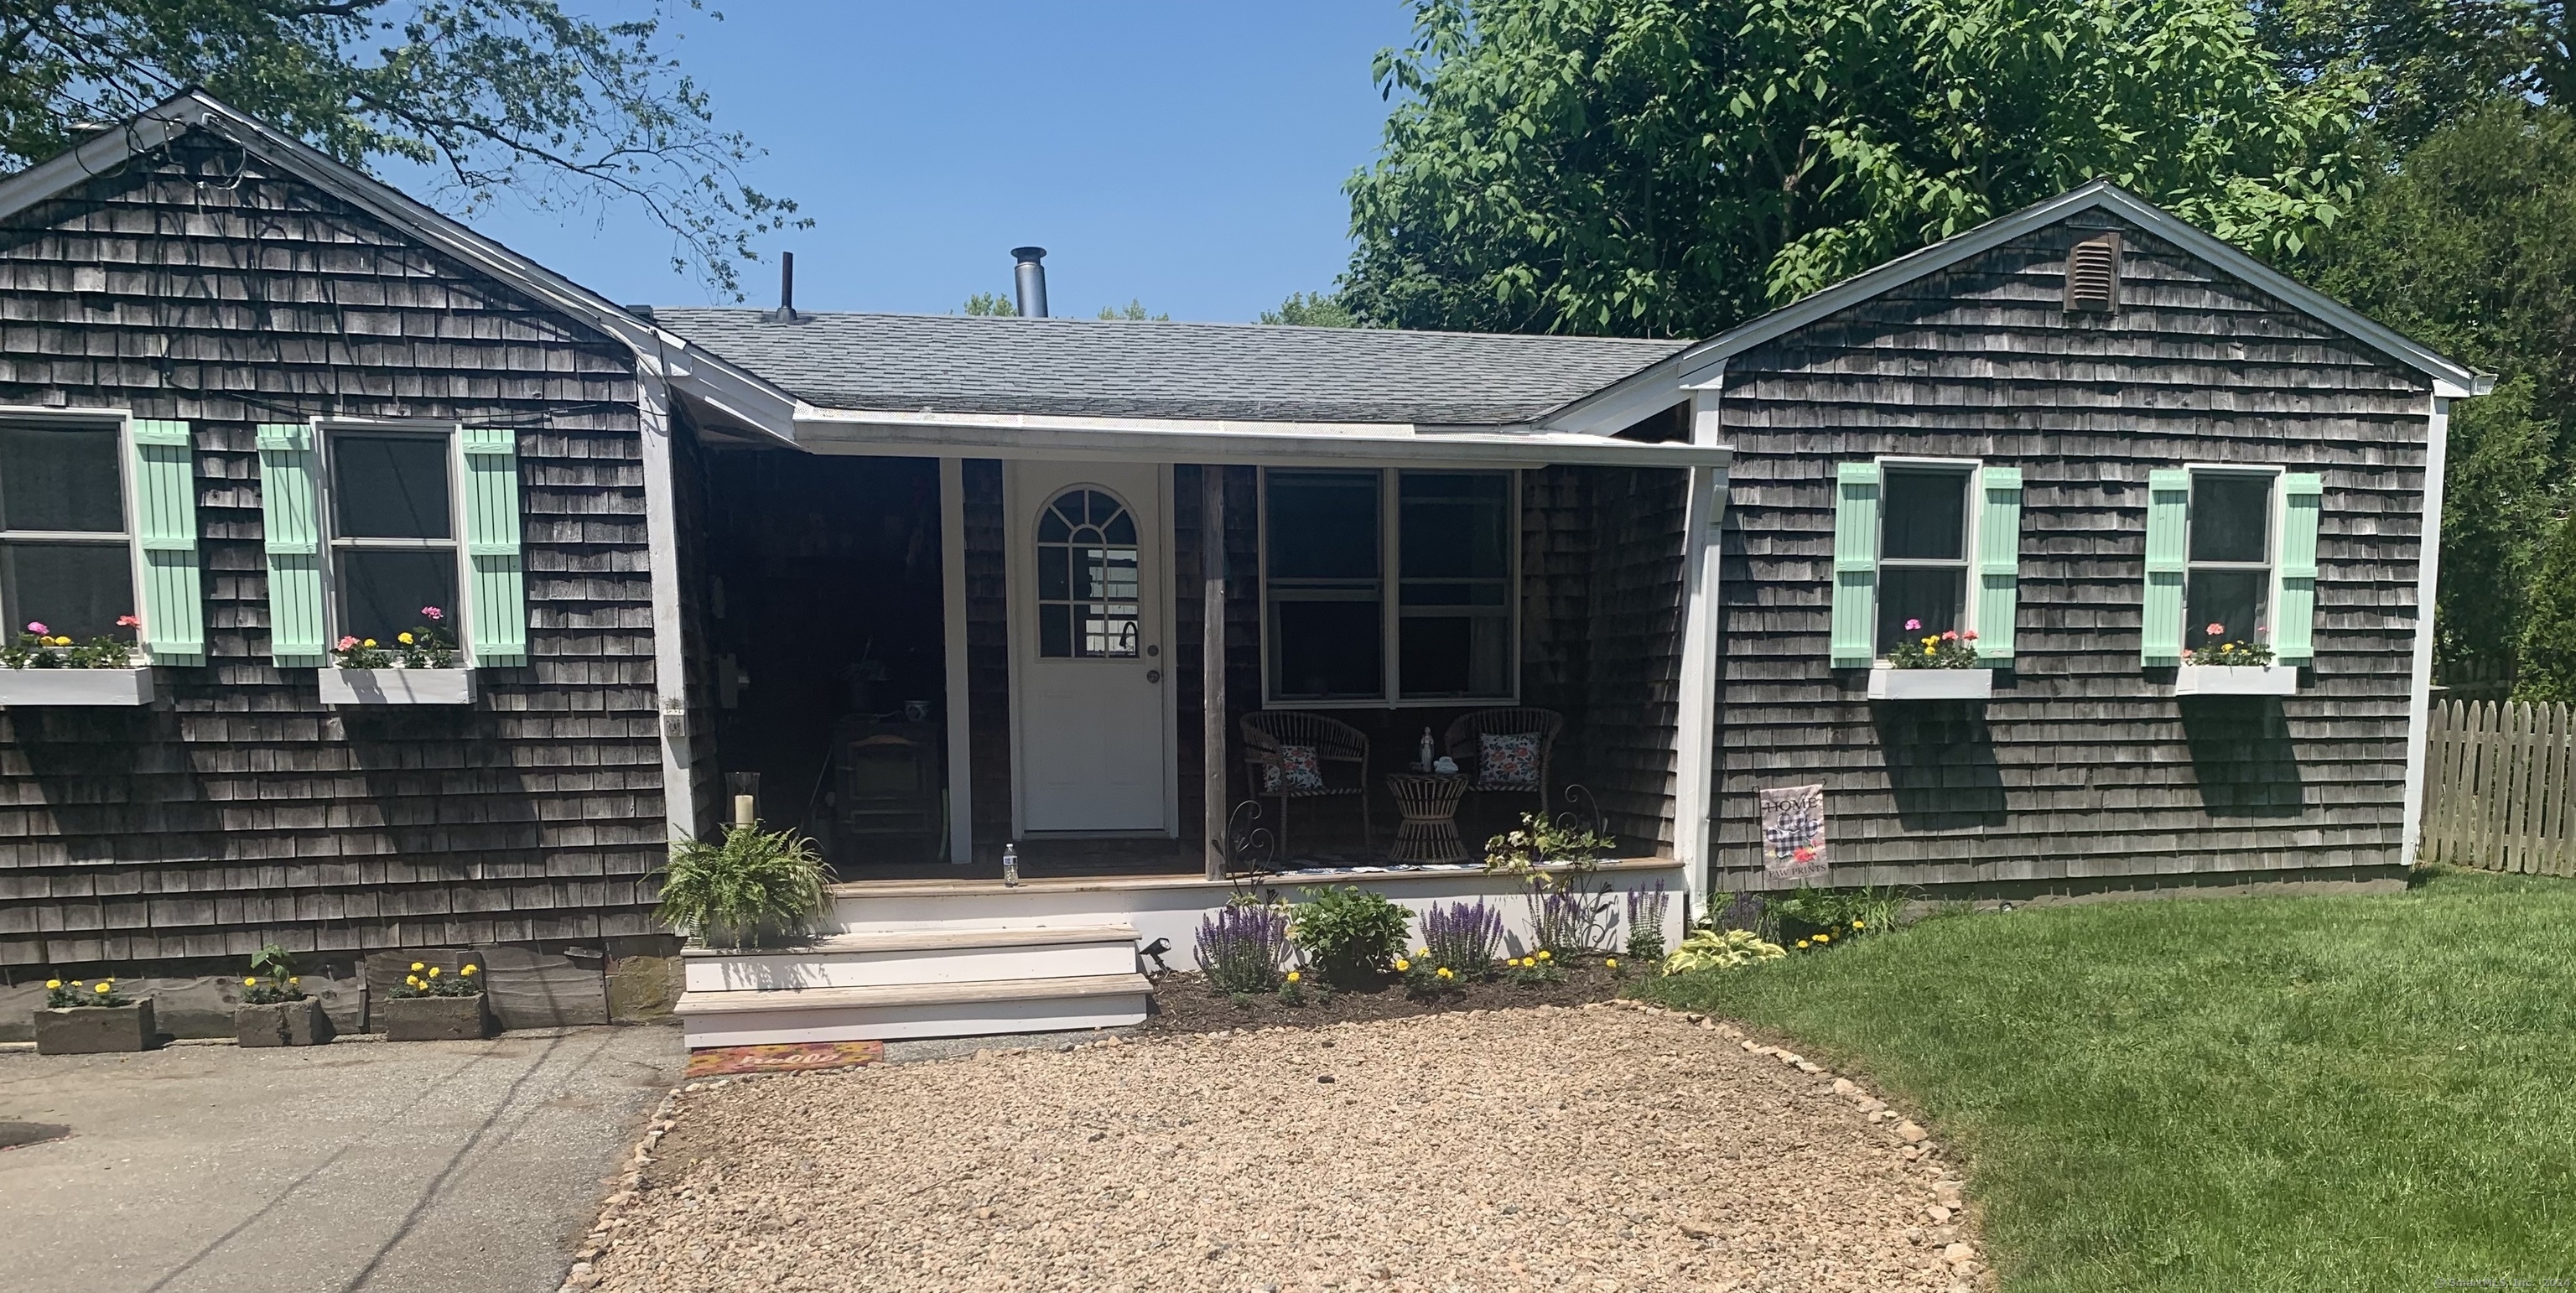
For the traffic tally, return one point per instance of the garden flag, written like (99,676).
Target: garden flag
(1793,830)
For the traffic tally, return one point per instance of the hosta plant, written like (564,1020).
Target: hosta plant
(1711,949)
(753,888)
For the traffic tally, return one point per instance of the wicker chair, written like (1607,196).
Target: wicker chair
(1469,751)
(1266,732)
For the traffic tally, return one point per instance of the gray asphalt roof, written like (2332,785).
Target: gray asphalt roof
(1087,367)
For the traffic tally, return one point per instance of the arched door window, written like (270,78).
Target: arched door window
(1086,575)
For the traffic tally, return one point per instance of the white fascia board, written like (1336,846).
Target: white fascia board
(1696,366)
(1617,407)
(1014,435)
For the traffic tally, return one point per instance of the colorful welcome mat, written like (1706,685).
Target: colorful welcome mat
(790,1057)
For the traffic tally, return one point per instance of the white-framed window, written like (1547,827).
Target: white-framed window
(1926,550)
(1389,586)
(67,552)
(1087,576)
(2230,552)
(391,519)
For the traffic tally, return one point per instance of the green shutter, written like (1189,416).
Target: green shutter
(171,601)
(1855,565)
(292,525)
(1998,562)
(2168,533)
(2295,606)
(496,615)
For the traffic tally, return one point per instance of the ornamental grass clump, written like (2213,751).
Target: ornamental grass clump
(1243,948)
(426,980)
(1348,933)
(272,978)
(756,888)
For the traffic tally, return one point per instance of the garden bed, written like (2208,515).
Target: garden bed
(1184,1003)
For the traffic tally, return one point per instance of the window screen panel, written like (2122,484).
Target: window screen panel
(60,478)
(1323,525)
(1934,597)
(2231,600)
(1326,650)
(390,487)
(2231,517)
(1455,655)
(75,589)
(382,590)
(1926,516)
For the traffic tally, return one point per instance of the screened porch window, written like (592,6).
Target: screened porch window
(1335,542)
(393,531)
(2228,579)
(1923,554)
(65,560)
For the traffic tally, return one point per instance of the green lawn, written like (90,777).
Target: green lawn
(2348,1093)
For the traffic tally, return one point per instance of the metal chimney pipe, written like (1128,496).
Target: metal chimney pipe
(1030,275)
(786,288)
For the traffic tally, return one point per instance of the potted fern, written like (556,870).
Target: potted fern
(753,888)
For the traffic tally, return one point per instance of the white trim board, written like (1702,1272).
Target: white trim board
(1079,439)
(1702,365)
(2419,695)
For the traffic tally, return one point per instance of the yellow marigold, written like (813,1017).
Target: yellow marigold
(1444,973)
(1802,942)
(1292,976)
(469,969)
(1926,650)
(1824,938)
(433,971)
(105,987)
(1610,961)
(412,979)
(1402,965)
(1858,925)
(1544,956)
(368,642)
(51,984)
(250,982)
(1422,951)
(417,967)
(404,638)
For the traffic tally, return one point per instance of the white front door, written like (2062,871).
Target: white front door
(1091,660)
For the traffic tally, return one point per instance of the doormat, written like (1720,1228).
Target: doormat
(788,1057)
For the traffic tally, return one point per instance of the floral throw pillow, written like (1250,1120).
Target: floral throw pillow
(1301,770)
(1507,759)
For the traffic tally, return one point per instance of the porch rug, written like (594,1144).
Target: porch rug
(790,1057)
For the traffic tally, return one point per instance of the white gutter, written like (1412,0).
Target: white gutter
(1057,438)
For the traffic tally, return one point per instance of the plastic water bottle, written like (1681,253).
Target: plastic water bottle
(1011,865)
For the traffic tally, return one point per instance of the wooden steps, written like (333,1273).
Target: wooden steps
(930,981)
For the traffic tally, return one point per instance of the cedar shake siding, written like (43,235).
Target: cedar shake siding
(240,810)
(2083,769)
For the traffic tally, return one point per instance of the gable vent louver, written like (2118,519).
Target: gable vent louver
(2093,275)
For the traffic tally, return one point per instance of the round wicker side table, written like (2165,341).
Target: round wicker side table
(1429,803)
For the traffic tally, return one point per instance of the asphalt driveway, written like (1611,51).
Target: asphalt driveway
(423,1167)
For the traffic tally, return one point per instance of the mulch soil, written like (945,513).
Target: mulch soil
(1184,1003)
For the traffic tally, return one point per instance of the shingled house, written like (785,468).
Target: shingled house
(929,587)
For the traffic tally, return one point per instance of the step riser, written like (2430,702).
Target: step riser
(930,965)
(896,1023)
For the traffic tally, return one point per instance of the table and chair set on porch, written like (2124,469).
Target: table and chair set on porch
(1301,757)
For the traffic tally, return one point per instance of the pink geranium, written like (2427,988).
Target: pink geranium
(129,621)
(1970,635)
(37,627)
(434,614)
(2215,629)
(1913,625)
(346,643)
(1950,635)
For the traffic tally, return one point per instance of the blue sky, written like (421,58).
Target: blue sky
(1190,155)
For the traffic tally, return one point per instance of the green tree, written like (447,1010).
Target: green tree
(1132,312)
(2466,247)
(992,305)
(2547,667)
(1311,310)
(1670,167)
(499,96)
(2419,63)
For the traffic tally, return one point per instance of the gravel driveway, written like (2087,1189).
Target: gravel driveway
(1550,1148)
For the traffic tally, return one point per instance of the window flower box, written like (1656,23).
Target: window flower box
(397,686)
(2236,680)
(29,687)
(1886,683)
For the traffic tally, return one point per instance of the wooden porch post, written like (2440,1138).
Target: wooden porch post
(1212,745)
(952,608)
(1695,728)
